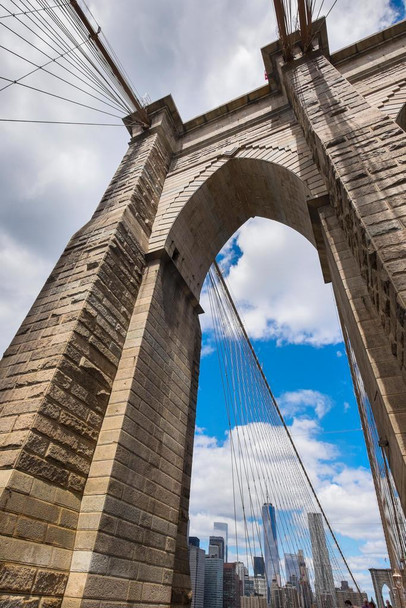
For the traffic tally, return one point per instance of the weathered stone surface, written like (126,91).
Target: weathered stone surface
(16,578)
(312,87)
(51,602)
(379,367)
(19,602)
(49,583)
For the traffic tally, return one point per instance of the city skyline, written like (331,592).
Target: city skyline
(291,585)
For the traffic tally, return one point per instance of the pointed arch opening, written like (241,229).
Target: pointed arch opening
(240,189)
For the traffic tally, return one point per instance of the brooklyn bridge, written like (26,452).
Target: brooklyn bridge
(99,385)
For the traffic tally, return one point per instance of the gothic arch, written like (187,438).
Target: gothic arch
(241,188)
(383,578)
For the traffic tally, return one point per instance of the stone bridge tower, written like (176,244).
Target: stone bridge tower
(99,385)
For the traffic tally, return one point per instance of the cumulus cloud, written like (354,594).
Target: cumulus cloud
(297,402)
(352,21)
(346,493)
(349,498)
(277,284)
(52,177)
(21,275)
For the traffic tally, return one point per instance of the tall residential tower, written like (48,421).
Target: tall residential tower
(323,573)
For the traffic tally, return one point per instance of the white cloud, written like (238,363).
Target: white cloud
(21,275)
(297,402)
(349,498)
(207,349)
(351,21)
(278,286)
(347,494)
(52,177)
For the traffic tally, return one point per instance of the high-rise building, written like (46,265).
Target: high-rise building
(291,595)
(260,587)
(323,573)
(254,602)
(306,593)
(231,587)
(197,568)
(221,529)
(242,573)
(277,595)
(249,586)
(213,582)
(259,566)
(292,569)
(272,568)
(218,541)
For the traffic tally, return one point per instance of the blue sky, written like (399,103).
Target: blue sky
(399,7)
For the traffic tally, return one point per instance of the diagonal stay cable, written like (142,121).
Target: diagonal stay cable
(36,10)
(62,122)
(31,44)
(91,56)
(48,30)
(101,71)
(246,371)
(248,341)
(62,45)
(103,57)
(43,69)
(77,103)
(239,362)
(236,364)
(328,13)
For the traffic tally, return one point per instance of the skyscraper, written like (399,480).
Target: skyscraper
(213,582)
(323,573)
(292,569)
(217,541)
(291,595)
(305,589)
(242,573)
(259,566)
(221,529)
(197,567)
(231,587)
(277,595)
(259,585)
(272,568)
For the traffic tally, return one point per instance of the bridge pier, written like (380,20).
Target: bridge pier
(58,373)
(360,154)
(131,546)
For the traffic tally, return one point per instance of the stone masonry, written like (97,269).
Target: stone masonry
(98,388)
